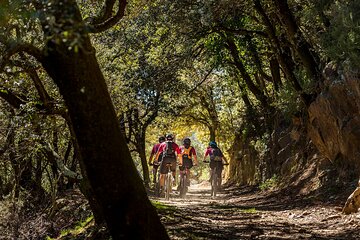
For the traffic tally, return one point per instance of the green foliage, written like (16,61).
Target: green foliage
(269,183)
(75,231)
(249,211)
(342,40)
(161,206)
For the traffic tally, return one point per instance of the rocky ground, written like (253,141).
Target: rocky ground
(236,213)
(246,213)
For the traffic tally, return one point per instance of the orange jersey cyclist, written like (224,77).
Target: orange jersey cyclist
(187,158)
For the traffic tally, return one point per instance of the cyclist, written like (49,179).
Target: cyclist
(169,151)
(152,154)
(216,159)
(186,157)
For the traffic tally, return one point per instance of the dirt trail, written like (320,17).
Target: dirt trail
(247,214)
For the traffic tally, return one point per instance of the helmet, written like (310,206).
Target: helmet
(162,139)
(169,137)
(213,144)
(187,141)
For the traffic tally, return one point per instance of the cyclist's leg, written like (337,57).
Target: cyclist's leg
(188,166)
(173,168)
(212,166)
(163,171)
(155,168)
(181,172)
(168,184)
(219,174)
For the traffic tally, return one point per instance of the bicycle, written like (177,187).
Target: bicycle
(215,179)
(183,182)
(168,181)
(156,180)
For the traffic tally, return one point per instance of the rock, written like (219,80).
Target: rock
(334,118)
(353,202)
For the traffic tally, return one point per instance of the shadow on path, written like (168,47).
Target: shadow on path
(245,213)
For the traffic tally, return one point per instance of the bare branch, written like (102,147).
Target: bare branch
(20,48)
(202,81)
(105,13)
(59,163)
(108,20)
(43,94)
(11,98)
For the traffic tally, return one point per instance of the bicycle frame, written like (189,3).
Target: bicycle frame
(183,181)
(214,182)
(168,181)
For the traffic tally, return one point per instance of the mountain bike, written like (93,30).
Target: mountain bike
(157,182)
(215,179)
(168,181)
(183,182)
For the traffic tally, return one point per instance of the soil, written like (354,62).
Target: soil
(236,213)
(247,213)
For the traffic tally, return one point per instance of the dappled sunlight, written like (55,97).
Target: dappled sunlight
(251,215)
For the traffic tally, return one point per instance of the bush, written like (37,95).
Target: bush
(269,183)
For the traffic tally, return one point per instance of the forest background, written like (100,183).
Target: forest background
(87,88)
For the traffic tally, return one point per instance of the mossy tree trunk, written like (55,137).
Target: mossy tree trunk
(105,157)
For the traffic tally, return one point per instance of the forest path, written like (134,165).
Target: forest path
(243,213)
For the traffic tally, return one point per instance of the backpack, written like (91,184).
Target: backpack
(216,155)
(169,151)
(187,153)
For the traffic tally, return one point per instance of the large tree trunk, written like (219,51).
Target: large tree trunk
(309,58)
(104,153)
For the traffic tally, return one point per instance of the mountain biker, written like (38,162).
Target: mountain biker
(152,154)
(216,158)
(169,151)
(186,157)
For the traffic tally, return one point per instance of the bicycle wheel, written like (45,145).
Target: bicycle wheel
(183,185)
(157,189)
(168,185)
(214,182)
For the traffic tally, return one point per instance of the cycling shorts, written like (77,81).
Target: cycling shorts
(164,162)
(188,163)
(218,164)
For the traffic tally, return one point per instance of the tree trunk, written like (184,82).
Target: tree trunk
(240,66)
(104,153)
(285,62)
(142,153)
(309,58)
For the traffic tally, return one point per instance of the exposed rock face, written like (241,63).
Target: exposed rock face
(244,162)
(334,117)
(353,202)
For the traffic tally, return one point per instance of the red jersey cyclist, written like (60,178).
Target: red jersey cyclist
(169,151)
(153,154)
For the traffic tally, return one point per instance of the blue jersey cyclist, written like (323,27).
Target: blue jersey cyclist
(217,158)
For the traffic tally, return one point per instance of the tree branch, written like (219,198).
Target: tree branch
(243,32)
(61,166)
(107,20)
(11,98)
(202,81)
(19,48)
